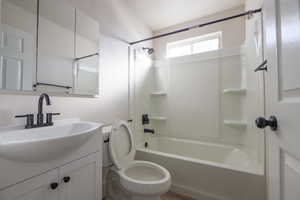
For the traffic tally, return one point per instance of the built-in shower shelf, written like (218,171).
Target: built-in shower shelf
(234,91)
(158,118)
(158,94)
(235,123)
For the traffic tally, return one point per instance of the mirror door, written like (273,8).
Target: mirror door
(48,46)
(56,44)
(86,77)
(68,41)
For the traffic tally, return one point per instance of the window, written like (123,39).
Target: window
(194,45)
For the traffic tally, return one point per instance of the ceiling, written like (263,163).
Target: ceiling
(159,14)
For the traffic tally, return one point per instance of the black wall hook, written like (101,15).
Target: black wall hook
(262,67)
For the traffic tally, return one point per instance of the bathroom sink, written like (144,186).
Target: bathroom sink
(45,143)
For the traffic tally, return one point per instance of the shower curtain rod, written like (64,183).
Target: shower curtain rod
(249,13)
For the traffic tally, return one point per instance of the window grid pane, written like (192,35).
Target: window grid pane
(180,51)
(194,45)
(204,46)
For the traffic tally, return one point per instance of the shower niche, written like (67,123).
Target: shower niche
(159,84)
(233,91)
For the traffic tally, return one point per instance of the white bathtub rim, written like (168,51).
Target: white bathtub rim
(206,143)
(257,171)
(211,163)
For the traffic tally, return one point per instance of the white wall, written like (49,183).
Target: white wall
(115,18)
(253,4)
(233,31)
(195,106)
(113,101)
(193,99)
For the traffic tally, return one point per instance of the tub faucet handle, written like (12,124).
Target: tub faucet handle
(146,130)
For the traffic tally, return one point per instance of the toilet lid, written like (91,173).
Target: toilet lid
(121,145)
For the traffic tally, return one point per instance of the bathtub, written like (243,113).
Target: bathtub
(206,171)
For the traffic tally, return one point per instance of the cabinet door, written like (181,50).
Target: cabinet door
(81,179)
(37,188)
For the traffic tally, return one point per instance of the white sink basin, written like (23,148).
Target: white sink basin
(46,143)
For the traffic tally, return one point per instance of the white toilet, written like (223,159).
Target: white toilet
(129,179)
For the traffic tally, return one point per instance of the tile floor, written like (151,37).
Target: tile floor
(174,196)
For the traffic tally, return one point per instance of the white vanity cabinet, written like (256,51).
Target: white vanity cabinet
(37,188)
(80,180)
(77,180)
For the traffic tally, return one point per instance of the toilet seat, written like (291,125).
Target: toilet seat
(138,177)
(121,145)
(147,178)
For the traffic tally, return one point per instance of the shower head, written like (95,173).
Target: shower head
(149,50)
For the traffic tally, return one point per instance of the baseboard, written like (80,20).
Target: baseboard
(195,194)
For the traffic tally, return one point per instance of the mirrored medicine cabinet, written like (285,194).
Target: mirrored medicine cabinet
(48,46)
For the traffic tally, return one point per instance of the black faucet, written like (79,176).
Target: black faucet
(40,115)
(146,130)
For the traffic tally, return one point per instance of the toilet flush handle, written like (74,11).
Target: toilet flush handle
(53,186)
(66,179)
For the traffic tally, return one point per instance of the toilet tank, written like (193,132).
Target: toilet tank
(106,161)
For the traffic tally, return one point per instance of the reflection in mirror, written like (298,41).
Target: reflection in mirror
(17,44)
(68,43)
(86,77)
(56,44)
(87,72)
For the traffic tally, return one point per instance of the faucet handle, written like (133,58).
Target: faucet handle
(49,118)
(146,130)
(29,120)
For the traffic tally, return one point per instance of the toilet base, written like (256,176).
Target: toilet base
(115,191)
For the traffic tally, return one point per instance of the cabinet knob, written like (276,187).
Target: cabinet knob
(53,186)
(66,179)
